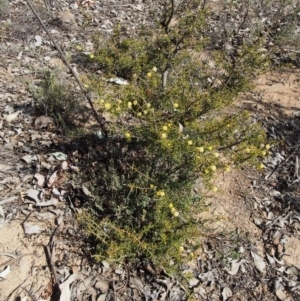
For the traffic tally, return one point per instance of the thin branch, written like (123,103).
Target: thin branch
(165,23)
(84,92)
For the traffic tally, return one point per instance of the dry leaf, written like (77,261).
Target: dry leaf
(43,216)
(52,179)
(64,165)
(31,228)
(193,282)
(2,216)
(29,158)
(11,117)
(5,272)
(40,179)
(52,202)
(34,194)
(180,128)
(235,265)
(65,287)
(60,156)
(270,259)
(86,191)
(119,81)
(279,291)
(226,293)
(274,193)
(56,192)
(258,262)
(137,282)
(74,168)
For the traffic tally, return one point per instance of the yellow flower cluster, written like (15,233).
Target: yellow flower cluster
(261,166)
(160,193)
(173,210)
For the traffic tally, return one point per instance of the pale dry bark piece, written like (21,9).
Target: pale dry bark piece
(57,63)
(43,122)
(67,17)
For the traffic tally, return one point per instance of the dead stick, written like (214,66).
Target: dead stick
(52,267)
(50,254)
(86,95)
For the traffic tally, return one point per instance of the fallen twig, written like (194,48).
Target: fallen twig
(50,251)
(9,199)
(29,293)
(14,259)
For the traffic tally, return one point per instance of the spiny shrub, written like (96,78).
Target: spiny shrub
(167,126)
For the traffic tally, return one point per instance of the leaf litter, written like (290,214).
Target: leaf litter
(45,188)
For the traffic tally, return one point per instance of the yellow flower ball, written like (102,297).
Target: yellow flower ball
(263,153)
(127,135)
(176,105)
(171,205)
(101,100)
(190,142)
(227,169)
(148,105)
(107,106)
(217,155)
(215,189)
(261,166)
(164,135)
(129,104)
(151,186)
(145,112)
(149,74)
(181,249)
(154,69)
(78,47)
(248,150)
(135,102)
(119,101)
(206,171)
(160,193)
(268,146)
(165,128)
(200,149)
(213,167)
(91,56)
(210,148)
(176,213)
(139,114)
